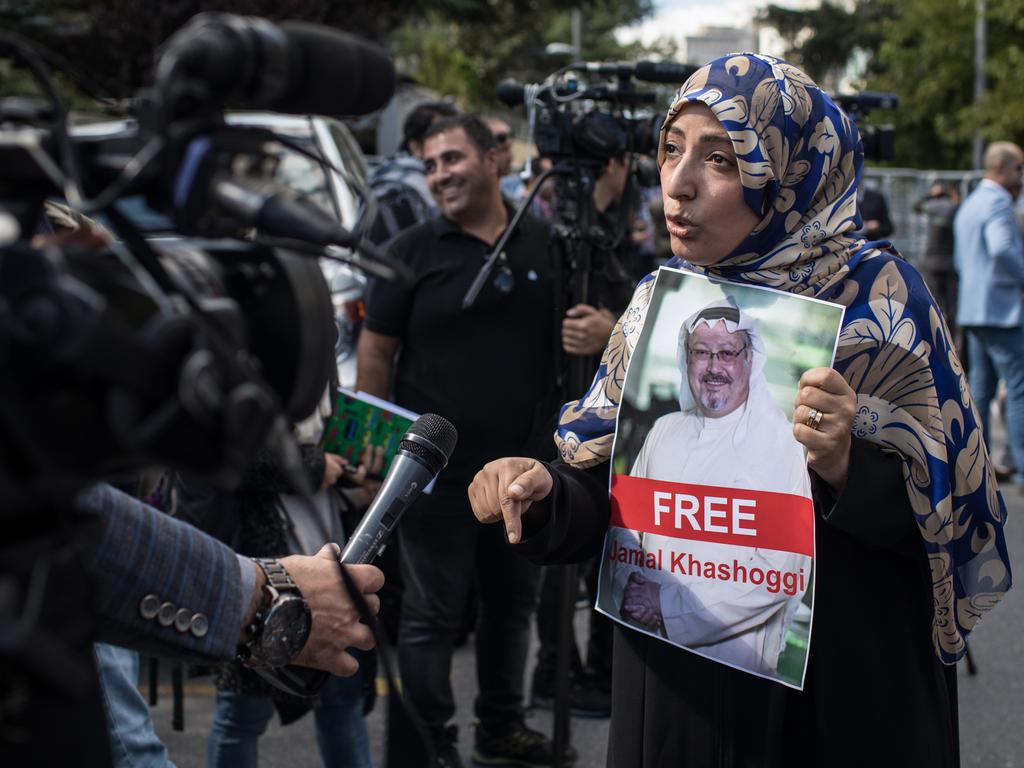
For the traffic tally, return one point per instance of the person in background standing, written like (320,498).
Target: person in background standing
(988,252)
(939,207)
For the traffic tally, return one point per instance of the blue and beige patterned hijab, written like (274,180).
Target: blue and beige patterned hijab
(800,161)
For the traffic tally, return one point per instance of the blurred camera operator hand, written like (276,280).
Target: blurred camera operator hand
(365,477)
(504,490)
(586,330)
(335,626)
(334,468)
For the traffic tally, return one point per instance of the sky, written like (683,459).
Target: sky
(679,18)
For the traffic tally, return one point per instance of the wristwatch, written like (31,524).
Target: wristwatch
(281,626)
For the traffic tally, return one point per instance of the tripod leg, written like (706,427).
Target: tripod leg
(178,691)
(152,664)
(972,668)
(561,736)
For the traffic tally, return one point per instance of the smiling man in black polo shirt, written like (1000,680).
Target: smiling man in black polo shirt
(490,370)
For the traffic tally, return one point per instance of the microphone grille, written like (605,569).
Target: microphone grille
(431,431)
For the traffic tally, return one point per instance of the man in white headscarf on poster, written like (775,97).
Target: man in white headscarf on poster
(729,432)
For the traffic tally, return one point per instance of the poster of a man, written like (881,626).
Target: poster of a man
(711,546)
(741,436)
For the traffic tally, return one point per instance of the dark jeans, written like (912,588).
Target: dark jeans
(444,549)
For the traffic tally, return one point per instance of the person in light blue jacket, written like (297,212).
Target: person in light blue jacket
(988,253)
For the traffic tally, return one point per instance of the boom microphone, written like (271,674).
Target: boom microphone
(604,68)
(663,72)
(647,71)
(422,454)
(333,73)
(221,59)
(278,212)
(510,93)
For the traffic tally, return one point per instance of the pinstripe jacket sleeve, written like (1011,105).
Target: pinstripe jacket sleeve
(160,585)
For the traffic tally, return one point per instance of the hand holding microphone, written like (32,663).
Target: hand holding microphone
(422,453)
(336,624)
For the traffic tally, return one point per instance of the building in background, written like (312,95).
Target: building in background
(710,42)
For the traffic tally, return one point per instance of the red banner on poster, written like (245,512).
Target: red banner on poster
(760,519)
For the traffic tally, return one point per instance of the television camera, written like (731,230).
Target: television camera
(879,140)
(120,352)
(186,350)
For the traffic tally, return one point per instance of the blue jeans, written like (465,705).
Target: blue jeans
(341,733)
(993,354)
(133,742)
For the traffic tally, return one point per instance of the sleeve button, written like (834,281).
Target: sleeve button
(182,619)
(149,607)
(200,625)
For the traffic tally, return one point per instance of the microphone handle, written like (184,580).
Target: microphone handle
(405,481)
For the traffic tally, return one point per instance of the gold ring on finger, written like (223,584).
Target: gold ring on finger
(813,419)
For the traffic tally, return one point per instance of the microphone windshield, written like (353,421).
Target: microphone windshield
(510,93)
(664,72)
(333,73)
(431,439)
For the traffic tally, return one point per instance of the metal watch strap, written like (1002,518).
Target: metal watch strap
(277,577)
(278,581)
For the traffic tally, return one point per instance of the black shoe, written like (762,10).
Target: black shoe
(585,700)
(515,744)
(446,751)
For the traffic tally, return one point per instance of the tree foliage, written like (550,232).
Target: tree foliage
(467,59)
(460,47)
(922,50)
(927,56)
(822,40)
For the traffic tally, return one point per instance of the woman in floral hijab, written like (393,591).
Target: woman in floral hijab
(759,175)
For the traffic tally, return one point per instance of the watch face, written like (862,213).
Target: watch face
(285,631)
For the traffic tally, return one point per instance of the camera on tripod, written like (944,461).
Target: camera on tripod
(579,139)
(567,123)
(879,140)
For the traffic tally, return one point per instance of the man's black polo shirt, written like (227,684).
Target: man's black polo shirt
(489,368)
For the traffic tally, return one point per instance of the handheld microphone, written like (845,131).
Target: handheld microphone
(295,68)
(422,454)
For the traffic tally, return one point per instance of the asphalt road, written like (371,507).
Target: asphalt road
(990,702)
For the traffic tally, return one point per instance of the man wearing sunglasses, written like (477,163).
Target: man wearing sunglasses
(512,186)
